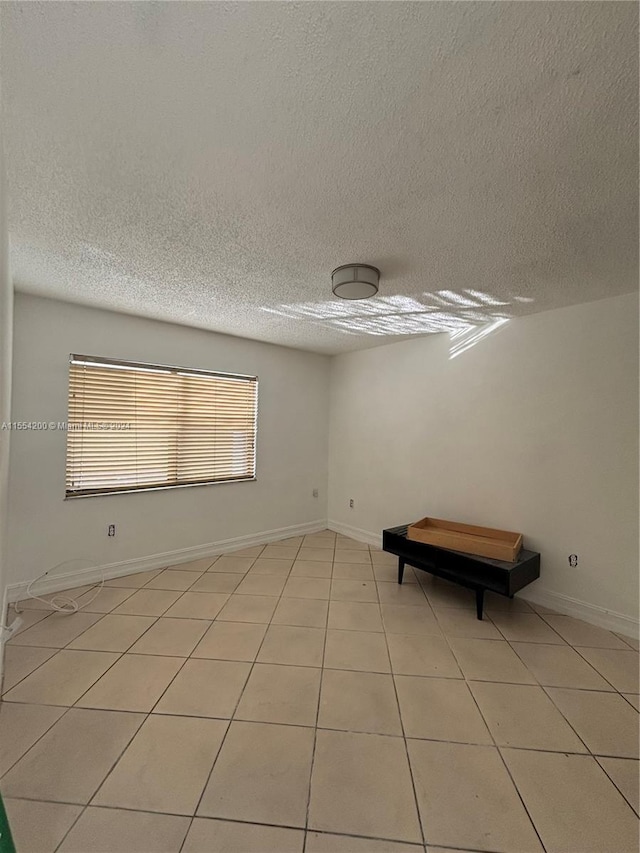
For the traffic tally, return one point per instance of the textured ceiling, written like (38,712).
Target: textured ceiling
(211,163)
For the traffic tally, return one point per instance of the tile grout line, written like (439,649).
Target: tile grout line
(545,689)
(540,686)
(231,718)
(146,717)
(553,645)
(63,714)
(495,746)
(315,728)
(468,681)
(417,845)
(608,680)
(185,716)
(126,746)
(188,658)
(636,811)
(404,739)
(86,805)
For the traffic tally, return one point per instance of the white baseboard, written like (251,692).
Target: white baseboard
(565,604)
(356,533)
(592,613)
(93,574)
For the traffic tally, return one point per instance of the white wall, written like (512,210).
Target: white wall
(291,452)
(6,344)
(534,429)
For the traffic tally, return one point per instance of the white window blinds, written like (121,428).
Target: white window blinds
(137,426)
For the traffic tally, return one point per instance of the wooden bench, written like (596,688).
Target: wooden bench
(477,573)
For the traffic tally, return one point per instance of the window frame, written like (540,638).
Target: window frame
(100,361)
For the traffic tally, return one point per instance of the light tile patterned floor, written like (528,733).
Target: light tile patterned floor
(293,697)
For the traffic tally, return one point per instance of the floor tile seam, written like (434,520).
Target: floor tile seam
(303,597)
(628,701)
(490,733)
(516,747)
(635,810)
(577,649)
(237,821)
(321,668)
(234,718)
(67,708)
(448,633)
(552,752)
(544,616)
(112,664)
(417,845)
(562,642)
(602,648)
(451,651)
(302,829)
(469,690)
(579,755)
(73,824)
(469,679)
(198,574)
(108,651)
(546,690)
(207,818)
(115,762)
(97,598)
(406,746)
(521,796)
(357,630)
(147,716)
(529,642)
(627,640)
(90,805)
(315,732)
(186,835)
(413,844)
(339,669)
(237,704)
(179,670)
(48,648)
(68,615)
(538,685)
(497,627)
(196,618)
(553,645)
(11,608)
(544,684)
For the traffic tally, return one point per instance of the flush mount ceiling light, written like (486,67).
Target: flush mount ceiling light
(355,281)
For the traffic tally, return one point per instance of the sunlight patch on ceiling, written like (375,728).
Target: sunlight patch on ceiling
(429,313)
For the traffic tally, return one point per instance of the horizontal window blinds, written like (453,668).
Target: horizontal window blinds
(134,426)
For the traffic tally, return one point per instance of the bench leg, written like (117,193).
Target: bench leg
(400,569)
(479,602)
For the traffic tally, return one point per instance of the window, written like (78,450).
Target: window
(140,426)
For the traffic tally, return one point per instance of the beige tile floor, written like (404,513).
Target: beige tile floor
(292,697)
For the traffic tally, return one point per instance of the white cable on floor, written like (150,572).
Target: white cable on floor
(60,602)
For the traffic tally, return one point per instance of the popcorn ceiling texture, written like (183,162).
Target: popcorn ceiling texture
(211,163)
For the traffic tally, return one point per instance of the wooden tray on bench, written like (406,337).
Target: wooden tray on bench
(484,541)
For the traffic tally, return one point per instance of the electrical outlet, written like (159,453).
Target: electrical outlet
(573,561)
(315,493)
(112,530)
(351,504)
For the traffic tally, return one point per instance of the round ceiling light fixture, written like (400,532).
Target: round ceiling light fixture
(355,281)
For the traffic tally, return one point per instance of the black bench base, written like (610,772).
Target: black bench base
(468,570)
(479,590)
